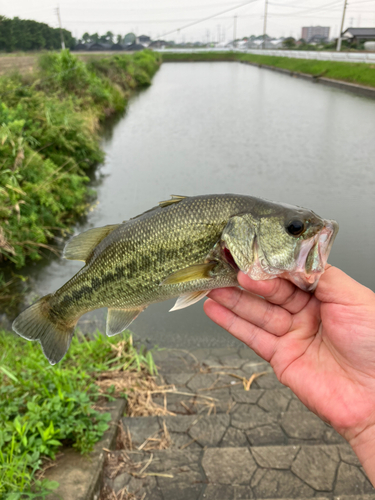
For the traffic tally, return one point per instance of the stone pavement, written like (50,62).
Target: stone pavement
(227,443)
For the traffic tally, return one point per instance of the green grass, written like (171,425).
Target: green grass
(43,407)
(360,73)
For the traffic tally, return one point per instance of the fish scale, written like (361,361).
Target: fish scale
(183,248)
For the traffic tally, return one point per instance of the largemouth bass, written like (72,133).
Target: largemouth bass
(183,248)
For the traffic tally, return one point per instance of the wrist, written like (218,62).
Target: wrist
(363,445)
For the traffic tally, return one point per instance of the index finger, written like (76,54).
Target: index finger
(277,291)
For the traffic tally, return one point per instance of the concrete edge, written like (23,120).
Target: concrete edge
(350,87)
(80,476)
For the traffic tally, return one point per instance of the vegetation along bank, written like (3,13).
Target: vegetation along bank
(49,139)
(359,73)
(44,407)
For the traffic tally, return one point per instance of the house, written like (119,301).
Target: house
(144,40)
(100,46)
(157,44)
(357,34)
(118,46)
(83,46)
(134,47)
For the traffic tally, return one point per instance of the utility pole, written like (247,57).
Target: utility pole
(234,31)
(338,47)
(265,25)
(61,33)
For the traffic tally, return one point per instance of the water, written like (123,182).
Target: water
(227,127)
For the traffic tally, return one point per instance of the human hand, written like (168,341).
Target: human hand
(322,346)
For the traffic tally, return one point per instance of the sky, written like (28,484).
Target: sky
(168,19)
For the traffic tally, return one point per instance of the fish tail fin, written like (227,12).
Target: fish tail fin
(38,322)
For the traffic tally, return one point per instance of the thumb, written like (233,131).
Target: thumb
(337,287)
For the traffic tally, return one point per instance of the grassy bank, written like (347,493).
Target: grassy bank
(43,407)
(49,138)
(360,73)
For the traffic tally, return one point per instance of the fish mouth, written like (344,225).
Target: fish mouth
(313,257)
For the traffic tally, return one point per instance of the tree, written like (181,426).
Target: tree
(109,36)
(86,37)
(118,38)
(289,43)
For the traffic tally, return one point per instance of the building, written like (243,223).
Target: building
(357,34)
(144,40)
(320,33)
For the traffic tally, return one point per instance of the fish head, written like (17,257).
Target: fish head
(293,243)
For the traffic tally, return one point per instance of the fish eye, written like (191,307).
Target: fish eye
(296,227)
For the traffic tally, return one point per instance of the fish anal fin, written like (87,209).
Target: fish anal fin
(175,198)
(119,319)
(191,273)
(80,247)
(188,299)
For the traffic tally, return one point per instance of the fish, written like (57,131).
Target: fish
(184,247)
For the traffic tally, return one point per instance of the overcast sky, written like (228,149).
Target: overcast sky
(167,18)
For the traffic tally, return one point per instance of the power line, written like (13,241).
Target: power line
(208,17)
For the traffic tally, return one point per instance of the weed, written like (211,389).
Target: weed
(43,407)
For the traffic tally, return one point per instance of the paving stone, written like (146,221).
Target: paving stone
(350,480)
(234,438)
(179,423)
(188,479)
(333,437)
(317,466)
(270,483)
(141,427)
(184,441)
(178,379)
(203,381)
(165,460)
(354,497)
(251,367)
(175,365)
(232,361)
(146,487)
(227,492)
(275,400)
(302,425)
(266,435)
(228,465)
(120,481)
(187,483)
(296,405)
(268,381)
(210,363)
(209,431)
(250,416)
(174,403)
(239,395)
(275,457)
(347,455)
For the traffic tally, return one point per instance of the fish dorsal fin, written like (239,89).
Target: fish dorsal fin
(119,319)
(175,198)
(191,273)
(188,299)
(80,247)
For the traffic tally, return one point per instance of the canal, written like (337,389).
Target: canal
(228,127)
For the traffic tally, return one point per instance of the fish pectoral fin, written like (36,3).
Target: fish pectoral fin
(80,247)
(191,273)
(188,299)
(119,319)
(175,198)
